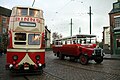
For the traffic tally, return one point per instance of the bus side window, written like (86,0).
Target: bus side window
(74,42)
(65,42)
(80,41)
(84,41)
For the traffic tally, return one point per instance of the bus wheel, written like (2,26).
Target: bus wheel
(61,56)
(98,59)
(83,59)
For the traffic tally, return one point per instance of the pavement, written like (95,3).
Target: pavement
(111,57)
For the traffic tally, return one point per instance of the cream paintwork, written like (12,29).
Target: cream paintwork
(26,59)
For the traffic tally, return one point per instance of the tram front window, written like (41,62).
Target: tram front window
(20,36)
(22,11)
(34,39)
(33,12)
(20,39)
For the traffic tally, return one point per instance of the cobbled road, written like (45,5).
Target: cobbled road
(66,70)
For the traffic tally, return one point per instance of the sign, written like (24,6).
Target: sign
(29,19)
(26,19)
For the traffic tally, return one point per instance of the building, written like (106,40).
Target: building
(114,16)
(4,19)
(4,22)
(47,38)
(106,35)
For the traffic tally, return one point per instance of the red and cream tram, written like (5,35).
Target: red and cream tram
(82,47)
(26,50)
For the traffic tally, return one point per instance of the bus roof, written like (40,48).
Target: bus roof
(77,36)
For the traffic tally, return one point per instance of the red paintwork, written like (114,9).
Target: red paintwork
(74,49)
(21,55)
(43,41)
(10,39)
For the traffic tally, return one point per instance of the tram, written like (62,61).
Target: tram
(25,51)
(80,47)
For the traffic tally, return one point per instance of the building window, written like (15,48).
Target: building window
(117,22)
(118,41)
(4,30)
(4,20)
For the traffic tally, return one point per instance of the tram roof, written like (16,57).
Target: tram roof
(26,7)
(78,36)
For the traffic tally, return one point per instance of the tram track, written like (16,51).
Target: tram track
(25,77)
(53,75)
(76,67)
(45,73)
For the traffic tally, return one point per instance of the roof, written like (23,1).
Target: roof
(5,11)
(114,11)
(78,36)
(116,7)
(27,7)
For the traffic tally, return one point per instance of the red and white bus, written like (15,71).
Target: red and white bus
(26,52)
(78,47)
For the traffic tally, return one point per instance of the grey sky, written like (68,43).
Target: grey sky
(57,14)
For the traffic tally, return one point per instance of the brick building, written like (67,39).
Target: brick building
(114,16)
(4,22)
(4,19)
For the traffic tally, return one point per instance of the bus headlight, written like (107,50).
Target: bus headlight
(37,57)
(15,57)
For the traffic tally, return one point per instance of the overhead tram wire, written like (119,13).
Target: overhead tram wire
(60,9)
(64,6)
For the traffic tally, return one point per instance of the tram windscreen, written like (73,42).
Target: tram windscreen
(22,11)
(20,39)
(33,12)
(34,39)
(20,36)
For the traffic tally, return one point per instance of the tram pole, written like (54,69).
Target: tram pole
(33,3)
(90,17)
(71,27)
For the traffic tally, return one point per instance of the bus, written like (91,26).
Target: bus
(80,48)
(26,44)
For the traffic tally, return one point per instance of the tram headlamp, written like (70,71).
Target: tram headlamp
(37,57)
(15,57)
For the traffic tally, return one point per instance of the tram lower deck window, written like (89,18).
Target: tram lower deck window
(20,36)
(34,39)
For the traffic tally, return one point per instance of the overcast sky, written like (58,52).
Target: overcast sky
(57,14)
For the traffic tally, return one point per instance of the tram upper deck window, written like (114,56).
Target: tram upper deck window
(33,12)
(22,11)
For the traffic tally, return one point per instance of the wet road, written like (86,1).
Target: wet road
(66,70)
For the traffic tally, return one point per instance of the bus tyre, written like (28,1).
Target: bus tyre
(83,59)
(61,56)
(98,59)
